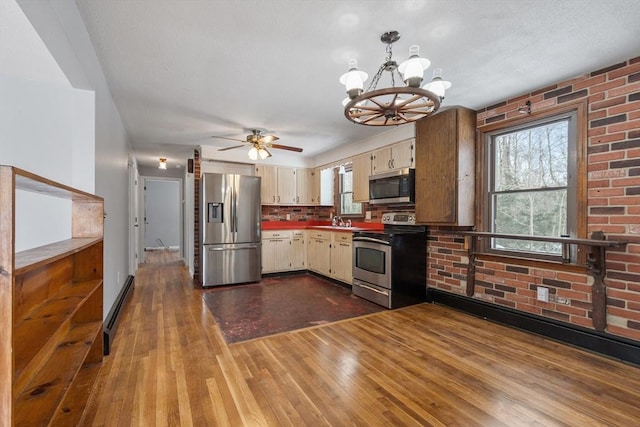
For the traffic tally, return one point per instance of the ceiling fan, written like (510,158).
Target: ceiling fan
(260,144)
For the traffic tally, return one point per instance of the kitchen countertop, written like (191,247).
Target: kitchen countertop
(319,225)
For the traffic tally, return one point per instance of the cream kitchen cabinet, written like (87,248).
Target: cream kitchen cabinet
(278,184)
(361,167)
(315,186)
(304,186)
(298,250)
(396,156)
(319,252)
(276,251)
(341,256)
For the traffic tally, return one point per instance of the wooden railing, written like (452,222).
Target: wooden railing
(595,261)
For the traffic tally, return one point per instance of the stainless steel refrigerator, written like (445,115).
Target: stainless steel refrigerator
(230,220)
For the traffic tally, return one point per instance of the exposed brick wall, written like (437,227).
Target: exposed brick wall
(322,213)
(613,186)
(196,216)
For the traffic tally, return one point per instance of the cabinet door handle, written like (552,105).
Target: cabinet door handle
(274,199)
(278,199)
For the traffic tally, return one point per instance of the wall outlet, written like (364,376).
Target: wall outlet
(288,217)
(542,294)
(367,215)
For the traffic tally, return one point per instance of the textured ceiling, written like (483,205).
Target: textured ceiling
(183,71)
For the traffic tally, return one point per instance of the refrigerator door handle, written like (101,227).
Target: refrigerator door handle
(234,249)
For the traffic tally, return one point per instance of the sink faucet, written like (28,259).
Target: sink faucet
(337,222)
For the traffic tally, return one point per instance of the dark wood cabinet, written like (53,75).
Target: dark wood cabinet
(445,168)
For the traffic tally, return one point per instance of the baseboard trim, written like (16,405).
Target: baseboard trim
(111,323)
(599,342)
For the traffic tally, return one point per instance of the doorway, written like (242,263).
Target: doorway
(163,218)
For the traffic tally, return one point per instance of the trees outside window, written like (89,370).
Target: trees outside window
(532,183)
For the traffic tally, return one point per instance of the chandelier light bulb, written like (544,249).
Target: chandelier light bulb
(437,85)
(253,153)
(413,68)
(354,79)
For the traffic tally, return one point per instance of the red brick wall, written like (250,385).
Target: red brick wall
(613,185)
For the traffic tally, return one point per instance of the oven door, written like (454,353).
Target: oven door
(372,261)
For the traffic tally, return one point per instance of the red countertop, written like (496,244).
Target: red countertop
(301,225)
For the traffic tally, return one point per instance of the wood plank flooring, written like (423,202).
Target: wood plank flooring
(422,365)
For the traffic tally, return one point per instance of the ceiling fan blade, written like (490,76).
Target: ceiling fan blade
(230,148)
(286,147)
(267,139)
(230,139)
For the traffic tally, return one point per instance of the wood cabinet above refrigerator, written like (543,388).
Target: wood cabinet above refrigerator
(445,168)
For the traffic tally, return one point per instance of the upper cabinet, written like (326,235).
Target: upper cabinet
(304,186)
(286,186)
(445,168)
(361,167)
(396,156)
(282,185)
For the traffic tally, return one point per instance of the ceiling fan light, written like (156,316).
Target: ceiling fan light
(412,69)
(263,153)
(354,79)
(253,153)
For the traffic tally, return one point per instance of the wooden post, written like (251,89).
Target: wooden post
(597,269)
(470,241)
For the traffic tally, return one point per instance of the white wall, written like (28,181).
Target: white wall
(59,25)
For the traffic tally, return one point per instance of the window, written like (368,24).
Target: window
(345,190)
(532,183)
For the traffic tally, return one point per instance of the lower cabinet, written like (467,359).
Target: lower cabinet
(319,252)
(341,257)
(298,251)
(328,253)
(276,251)
(283,251)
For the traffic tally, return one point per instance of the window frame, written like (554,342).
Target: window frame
(348,168)
(576,180)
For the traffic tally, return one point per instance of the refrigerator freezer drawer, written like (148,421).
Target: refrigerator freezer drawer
(231,264)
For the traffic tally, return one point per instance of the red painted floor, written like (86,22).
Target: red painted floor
(282,304)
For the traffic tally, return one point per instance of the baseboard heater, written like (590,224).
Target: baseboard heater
(598,342)
(111,323)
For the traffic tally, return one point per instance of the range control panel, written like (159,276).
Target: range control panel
(399,218)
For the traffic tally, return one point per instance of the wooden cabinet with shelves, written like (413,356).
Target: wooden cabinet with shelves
(396,156)
(445,171)
(50,309)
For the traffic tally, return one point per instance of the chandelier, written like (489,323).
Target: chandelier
(395,105)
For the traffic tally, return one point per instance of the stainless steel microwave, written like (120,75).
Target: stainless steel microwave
(394,187)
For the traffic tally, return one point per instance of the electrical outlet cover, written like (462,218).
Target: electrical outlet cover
(543,294)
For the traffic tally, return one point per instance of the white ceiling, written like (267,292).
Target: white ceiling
(183,71)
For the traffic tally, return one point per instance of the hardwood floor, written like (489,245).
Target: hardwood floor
(421,365)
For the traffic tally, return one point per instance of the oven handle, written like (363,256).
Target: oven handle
(371,239)
(370,288)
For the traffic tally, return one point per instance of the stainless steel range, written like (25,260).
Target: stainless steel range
(389,266)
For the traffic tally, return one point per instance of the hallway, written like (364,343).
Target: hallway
(422,365)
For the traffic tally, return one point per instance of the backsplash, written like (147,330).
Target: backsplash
(323,213)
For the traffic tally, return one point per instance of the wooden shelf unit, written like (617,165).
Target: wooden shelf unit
(51,309)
